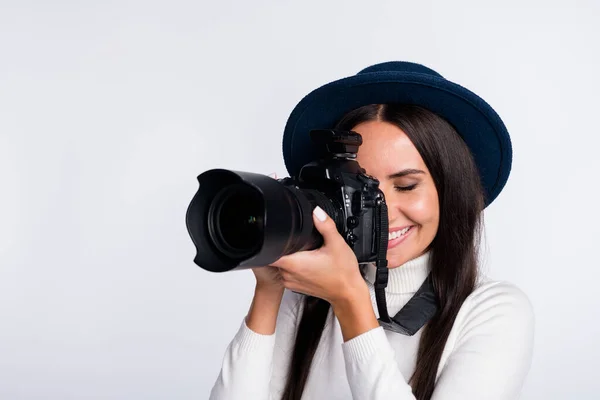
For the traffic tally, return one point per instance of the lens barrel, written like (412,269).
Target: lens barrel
(240,220)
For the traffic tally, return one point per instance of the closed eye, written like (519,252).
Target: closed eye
(405,188)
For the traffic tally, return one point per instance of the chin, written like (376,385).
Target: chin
(397,261)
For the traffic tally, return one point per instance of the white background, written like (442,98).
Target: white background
(110,109)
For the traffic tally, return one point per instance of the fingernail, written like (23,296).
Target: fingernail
(273,175)
(321,215)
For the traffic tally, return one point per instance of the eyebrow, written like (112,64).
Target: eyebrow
(405,172)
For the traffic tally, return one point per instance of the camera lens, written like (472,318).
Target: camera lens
(236,222)
(240,220)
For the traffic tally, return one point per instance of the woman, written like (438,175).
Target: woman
(441,155)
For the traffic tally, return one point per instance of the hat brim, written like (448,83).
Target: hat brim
(475,121)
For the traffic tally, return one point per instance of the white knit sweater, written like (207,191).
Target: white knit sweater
(487,355)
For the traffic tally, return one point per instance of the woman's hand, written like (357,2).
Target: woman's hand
(329,272)
(268,278)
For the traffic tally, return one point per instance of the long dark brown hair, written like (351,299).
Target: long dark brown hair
(453,250)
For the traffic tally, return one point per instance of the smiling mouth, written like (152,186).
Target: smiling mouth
(399,233)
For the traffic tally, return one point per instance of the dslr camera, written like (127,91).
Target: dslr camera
(239,220)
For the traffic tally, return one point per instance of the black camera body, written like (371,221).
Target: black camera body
(240,220)
(353,196)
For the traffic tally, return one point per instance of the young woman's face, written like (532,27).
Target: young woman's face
(388,155)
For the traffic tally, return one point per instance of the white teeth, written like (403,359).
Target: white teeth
(397,234)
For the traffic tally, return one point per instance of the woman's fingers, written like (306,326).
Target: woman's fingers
(327,228)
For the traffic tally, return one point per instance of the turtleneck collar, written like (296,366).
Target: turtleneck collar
(405,279)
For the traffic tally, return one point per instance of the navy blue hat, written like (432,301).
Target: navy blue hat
(404,82)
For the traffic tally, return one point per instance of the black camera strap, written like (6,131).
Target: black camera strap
(420,308)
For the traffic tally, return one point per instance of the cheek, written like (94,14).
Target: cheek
(424,210)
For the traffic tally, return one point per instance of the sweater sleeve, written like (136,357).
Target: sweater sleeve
(249,369)
(487,355)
